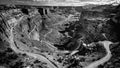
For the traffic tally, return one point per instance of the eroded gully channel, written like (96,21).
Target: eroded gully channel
(106,44)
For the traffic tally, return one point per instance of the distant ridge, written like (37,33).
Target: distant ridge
(59,2)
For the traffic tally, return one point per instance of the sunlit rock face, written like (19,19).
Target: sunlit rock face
(64,37)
